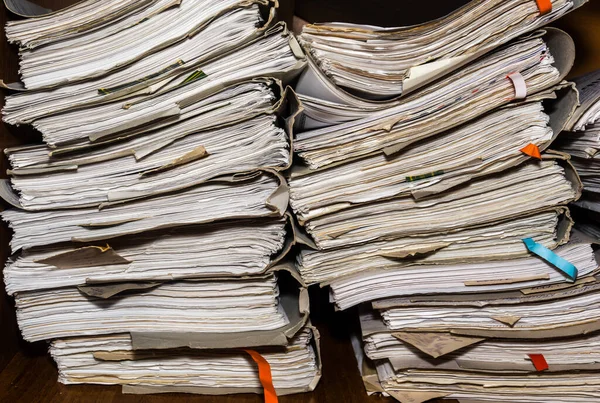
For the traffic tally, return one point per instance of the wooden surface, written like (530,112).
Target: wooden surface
(28,373)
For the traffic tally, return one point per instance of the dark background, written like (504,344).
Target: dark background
(27,373)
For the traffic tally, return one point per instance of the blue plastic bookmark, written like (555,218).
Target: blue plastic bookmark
(561,264)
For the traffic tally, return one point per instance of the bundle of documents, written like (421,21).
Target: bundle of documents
(494,241)
(379,63)
(160,31)
(507,354)
(125,100)
(112,360)
(535,344)
(405,280)
(486,145)
(525,66)
(528,188)
(232,248)
(150,225)
(443,214)
(240,147)
(213,306)
(253,198)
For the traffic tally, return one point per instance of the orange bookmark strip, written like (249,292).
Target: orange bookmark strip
(539,362)
(264,374)
(532,150)
(545,6)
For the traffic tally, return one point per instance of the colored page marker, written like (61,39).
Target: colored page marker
(545,6)
(539,362)
(561,264)
(264,374)
(532,150)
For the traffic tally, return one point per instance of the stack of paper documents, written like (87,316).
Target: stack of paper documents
(485,219)
(444,213)
(238,248)
(581,140)
(478,88)
(182,306)
(112,360)
(150,224)
(378,63)
(535,344)
(405,279)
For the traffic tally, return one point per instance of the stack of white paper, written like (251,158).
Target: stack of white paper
(112,360)
(484,220)
(559,313)
(164,29)
(239,248)
(498,355)
(152,218)
(480,387)
(110,105)
(480,87)
(197,205)
(237,102)
(444,212)
(418,366)
(186,306)
(82,17)
(483,84)
(376,62)
(489,199)
(407,280)
(240,147)
(484,146)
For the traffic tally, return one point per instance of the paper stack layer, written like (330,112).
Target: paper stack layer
(437,197)
(150,224)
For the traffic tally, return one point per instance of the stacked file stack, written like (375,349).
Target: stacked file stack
(444,208)
(152,218)
(582,141)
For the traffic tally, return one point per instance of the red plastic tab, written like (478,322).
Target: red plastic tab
(532,150)
(545,6)
(539,362)
(264,374)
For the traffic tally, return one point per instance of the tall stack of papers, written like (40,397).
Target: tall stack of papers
(444,213)
(581,140)
(150,224)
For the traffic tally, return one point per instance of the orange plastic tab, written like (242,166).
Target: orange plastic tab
(264,374)
(539,362)
(545,6)
(532,150)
